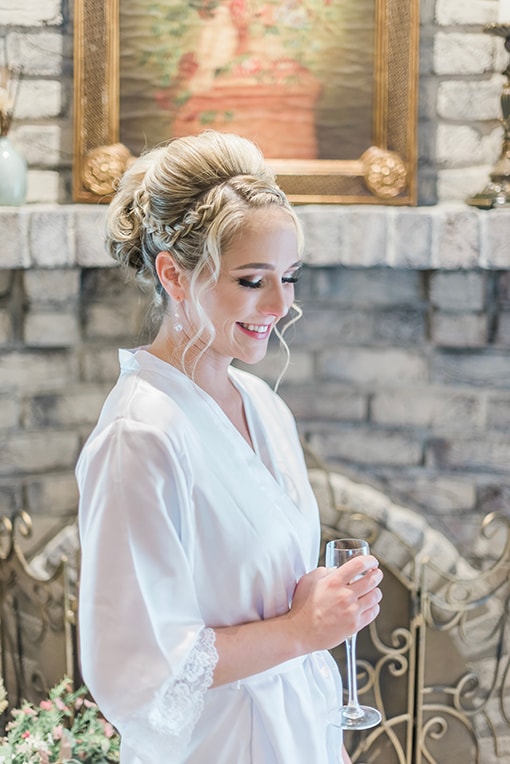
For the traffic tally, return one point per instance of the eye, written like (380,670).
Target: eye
(293,279)
(250,284)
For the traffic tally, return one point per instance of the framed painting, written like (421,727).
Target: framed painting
(326,88)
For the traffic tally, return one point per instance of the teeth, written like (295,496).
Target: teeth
(260,328)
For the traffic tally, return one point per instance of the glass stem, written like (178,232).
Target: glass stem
(353,707)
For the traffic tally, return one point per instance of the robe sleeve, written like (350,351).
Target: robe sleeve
(146,654)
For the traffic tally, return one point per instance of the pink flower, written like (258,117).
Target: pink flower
(46,705)
(25,734)
(61,705)
(89,704)
(78,703)
(108,729)
(57,732)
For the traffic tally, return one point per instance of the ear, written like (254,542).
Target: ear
(172,277)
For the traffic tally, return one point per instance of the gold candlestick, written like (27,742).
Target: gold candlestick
(496,193)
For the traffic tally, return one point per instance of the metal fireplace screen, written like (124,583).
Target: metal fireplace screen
(436,661)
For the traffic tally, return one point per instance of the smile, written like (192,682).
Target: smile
(260,329)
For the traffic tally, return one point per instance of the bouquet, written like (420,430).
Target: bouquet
(66,728)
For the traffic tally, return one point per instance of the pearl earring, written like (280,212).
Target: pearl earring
(178,327)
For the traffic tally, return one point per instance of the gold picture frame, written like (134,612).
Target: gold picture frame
(385,173)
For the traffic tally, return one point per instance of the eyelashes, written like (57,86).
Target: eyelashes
(260,282)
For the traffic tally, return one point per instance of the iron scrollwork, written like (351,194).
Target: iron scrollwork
(437,667)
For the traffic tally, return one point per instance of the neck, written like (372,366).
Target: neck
(208,370)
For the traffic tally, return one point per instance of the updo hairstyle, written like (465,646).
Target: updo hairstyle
(189,197)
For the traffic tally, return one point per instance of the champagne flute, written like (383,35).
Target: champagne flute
(353,716)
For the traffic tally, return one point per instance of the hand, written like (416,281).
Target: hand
(331,604)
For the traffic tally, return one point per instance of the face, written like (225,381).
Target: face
(255,286)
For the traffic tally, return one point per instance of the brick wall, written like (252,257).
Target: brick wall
(400,367)
(400,370)
(460,86)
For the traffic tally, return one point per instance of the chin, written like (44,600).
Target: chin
(252,358)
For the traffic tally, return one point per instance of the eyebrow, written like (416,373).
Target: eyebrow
(265,266)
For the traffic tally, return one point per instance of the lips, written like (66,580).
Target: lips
(259,330)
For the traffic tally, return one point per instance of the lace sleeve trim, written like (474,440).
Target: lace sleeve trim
(180,703)
(177,707)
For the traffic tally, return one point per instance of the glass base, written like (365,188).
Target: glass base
(361,718)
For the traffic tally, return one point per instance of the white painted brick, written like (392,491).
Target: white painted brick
(378,288)
(460,145)
(503,330)
(459,330)
(69,407)
(335,403)
(319,327)
(409,238)
(481,369)
(366,241)
(495,249)
(38,452)
(428,407)
(39,53)
(52,287)
(450,12)
(463,183)
(6,328)
(470,101)
(9,410)
(367,446)
(51,329)
(489,452)
(39,99)
(435,493)
(373,366)
(90,227)
(30,12)
(325,231)
(39,144)
(52,236)
(300,367)
(5,281)
(43,186)
(100,365)
(498,412)
(462,53)
(459,291)
(36,370)
(457,238)
(55,493)
(14,247)
(107,321)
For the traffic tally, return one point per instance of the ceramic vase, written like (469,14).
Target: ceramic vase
(13,174)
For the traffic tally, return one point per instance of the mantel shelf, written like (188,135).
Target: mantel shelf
(442,237)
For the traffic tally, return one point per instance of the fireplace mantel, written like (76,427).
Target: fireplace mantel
(442,237)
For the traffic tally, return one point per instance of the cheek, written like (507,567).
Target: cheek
(290,298)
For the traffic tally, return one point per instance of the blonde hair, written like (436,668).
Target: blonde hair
(190,197)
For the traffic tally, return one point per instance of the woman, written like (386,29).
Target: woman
(204,620)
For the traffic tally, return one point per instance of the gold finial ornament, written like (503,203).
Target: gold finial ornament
(385,173)
(104,166)
(496,193)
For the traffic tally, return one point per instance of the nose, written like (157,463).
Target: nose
(277,300)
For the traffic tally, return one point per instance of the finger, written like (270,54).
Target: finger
(369,615)
(367,583)
(357,567)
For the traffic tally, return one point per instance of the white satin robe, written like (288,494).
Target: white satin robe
(184,528)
